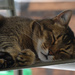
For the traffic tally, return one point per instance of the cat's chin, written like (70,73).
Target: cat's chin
(45,58)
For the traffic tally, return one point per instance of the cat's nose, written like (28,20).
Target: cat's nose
(50,52)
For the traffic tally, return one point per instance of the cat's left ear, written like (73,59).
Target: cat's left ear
(32,24)
(64,17)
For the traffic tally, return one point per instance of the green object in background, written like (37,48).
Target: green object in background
(27,72)
(6,73)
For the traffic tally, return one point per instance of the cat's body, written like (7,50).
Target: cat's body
(17,35)
(23,40)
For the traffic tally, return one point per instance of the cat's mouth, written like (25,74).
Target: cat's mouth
(46,56)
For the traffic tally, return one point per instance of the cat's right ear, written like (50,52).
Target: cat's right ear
(64,17)
(2,19)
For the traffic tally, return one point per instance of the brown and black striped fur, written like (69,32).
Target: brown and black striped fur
(23,40)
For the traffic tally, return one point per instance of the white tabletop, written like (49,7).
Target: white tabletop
(67,66)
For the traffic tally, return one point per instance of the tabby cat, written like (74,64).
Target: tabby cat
(23,41)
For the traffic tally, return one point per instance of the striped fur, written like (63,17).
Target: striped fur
(23,41)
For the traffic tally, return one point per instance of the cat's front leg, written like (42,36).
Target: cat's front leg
(25,57)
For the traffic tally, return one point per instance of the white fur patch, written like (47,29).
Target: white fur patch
(45,52)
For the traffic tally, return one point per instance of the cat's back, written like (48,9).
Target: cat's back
(12,24)
(14,21)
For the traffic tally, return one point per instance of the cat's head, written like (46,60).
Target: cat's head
(53,37)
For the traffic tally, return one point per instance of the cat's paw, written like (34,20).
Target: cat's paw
(26,57)
(6,60)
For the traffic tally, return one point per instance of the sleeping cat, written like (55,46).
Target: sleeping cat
(24,40)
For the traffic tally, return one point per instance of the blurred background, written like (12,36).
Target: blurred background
(37,9)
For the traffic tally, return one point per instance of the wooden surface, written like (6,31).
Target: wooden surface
(39,71)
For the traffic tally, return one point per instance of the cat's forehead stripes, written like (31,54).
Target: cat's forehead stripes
(50,24)
(51,21)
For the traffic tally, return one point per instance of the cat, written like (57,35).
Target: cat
(74,47)
(23,41)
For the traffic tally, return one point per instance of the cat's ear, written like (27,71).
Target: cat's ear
(2,19)
(32,24)
(64,17)
(35,26)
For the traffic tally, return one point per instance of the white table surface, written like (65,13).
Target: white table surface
(67,66)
